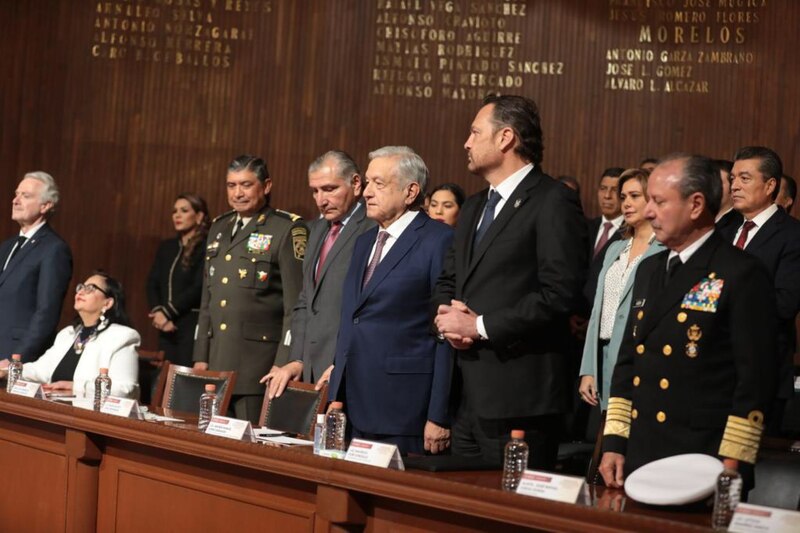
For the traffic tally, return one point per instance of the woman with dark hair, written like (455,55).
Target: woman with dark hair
(175,282)
(612,300)
(446,202)
(98,338)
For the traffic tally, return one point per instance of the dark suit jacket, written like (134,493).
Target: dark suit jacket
(777,245)
(389,369)
(524,277)
(32,290)
(689,378)
(730,221)
(315,320)
(595,261)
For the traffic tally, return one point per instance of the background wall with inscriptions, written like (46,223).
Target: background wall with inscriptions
(129,102)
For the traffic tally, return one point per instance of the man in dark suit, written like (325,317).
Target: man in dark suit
(336,184)
(727,216)
(692,374)
(391,373)
(771,235)
(514,273)
(35,271)
(253,274)
(787,193)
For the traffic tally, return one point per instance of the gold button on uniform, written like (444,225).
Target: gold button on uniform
(228,257)
(223,327)
(682,317)
(223,303)
(263,337)
(640,315)
(667,350)
(253,259)
(225,280)
(636,381)
(634,414)
(664,383)
(661,416)
(640,349)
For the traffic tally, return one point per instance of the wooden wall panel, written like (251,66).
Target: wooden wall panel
(124,136)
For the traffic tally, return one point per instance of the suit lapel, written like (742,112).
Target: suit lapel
(398,251)
(517,199)
(765,233)
(685,278)
(19,257)
(349,231)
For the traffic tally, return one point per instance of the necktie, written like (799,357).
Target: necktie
(603,237)
(488,216)
(330,239)
(376,257)
(20,241)
(239,225)
(742,240)
(672,266)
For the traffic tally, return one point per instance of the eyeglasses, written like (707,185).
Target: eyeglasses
(88,288)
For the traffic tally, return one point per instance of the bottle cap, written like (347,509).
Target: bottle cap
(104,371)
(517,434)
(210,387)
(337,405)
(320,419)
(16,357)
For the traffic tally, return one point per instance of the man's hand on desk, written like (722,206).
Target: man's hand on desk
(611,469)
(60,386)
(437,438)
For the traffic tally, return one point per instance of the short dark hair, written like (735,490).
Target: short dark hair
(769,165)
(700,174)
(570,181)
(252,163)
(724,164)
(453,188)
(791,187)
(613,172)
(648,160)
(521,115)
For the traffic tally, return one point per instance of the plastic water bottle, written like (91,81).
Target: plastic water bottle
(335,422)
(102,388)
(14,371)
(319,434)
(515,461)
(726,498)
(209,406)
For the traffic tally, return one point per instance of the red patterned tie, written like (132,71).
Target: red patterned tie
(742,240)
(333,233)
(603,238)
(376,257)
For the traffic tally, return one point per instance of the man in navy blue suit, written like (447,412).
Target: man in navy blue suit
(35,269)
(389,369)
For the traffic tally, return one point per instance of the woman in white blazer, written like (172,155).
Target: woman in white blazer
(612,301)
(99,338)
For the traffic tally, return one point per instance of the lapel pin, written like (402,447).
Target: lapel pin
(517,203)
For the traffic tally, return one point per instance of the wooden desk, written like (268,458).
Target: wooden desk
(67,469)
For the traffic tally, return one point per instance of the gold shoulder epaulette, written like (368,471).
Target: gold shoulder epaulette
(291,216)
(223,215)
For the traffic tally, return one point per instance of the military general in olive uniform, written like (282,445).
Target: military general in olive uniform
(253,275)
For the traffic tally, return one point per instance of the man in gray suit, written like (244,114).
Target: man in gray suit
(336,184)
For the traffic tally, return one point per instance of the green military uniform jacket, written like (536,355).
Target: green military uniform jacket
(251,283)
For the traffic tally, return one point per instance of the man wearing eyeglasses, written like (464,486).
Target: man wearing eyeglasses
(253,275)
(35,269)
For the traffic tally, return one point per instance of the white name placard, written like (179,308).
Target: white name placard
(374,453)
(755,518)
(230,428)
(28,389)
(124,407)
(550,486)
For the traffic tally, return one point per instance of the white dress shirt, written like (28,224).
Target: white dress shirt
(759,220)
(689,251)
(394,230)
(27,234)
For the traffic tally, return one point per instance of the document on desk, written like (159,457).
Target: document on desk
(152,417)
(286,441)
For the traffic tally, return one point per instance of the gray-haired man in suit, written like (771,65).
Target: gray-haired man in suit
(336,184)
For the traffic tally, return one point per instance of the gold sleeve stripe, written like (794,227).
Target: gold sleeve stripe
(741,439)
(622,403)
(617,428)
(618,417)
